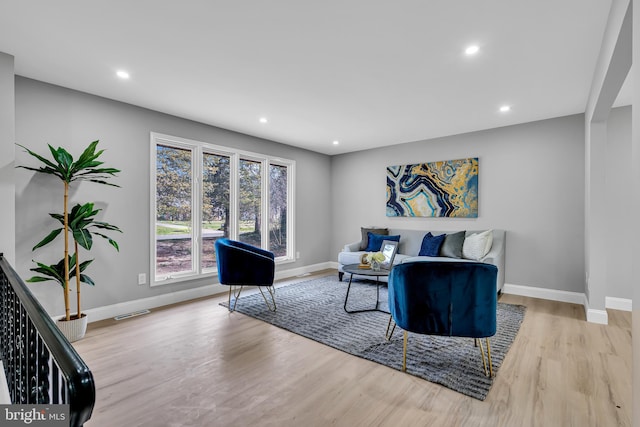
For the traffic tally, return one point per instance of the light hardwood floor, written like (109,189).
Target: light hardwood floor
(195,364)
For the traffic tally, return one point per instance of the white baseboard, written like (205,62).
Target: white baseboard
(614,303)
(592,315)
(597,316)
(285,274)
(544,293)
(110,311)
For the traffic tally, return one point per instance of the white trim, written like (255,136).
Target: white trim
(291,203)
(110,311)
(153,156)
(5,397)
(303,270)
(265,207)
(597,316)
(592,315)
(614,303)
(544,293)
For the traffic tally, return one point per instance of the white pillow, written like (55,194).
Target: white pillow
(477,245)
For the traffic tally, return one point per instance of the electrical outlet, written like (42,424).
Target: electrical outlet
(297,255)
(142,279)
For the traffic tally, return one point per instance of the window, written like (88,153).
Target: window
(215,204)
(250,198)
(202,192)
(278,209)
(174,226)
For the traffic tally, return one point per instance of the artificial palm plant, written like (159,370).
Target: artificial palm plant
(78,221)
(81,220)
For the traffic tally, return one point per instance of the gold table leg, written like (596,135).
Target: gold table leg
(404,353)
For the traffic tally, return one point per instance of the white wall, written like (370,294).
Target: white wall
(621,217)
(7,155)
(531,183)
(63,117)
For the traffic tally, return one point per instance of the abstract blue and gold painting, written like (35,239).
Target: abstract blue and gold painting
(437,189)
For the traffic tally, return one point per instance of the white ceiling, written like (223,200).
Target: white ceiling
(368,73)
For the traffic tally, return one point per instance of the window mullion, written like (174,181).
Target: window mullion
(234,204)
(291,239)
(264,194)
(196,209)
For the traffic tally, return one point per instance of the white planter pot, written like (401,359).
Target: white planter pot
(73,329)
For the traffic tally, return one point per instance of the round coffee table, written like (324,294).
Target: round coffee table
(355,269)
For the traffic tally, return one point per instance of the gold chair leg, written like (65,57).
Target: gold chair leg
(404,352)
(235,296)
(272,292)
(489,357)
(484,362)
(388,335)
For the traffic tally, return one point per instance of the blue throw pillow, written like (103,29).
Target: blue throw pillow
(431,244)
(375,241)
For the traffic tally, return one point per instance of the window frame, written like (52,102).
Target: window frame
(198,149)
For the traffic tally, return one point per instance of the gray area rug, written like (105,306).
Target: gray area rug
(314,309)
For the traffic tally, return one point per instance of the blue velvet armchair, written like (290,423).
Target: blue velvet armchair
(240,264)
(445,298)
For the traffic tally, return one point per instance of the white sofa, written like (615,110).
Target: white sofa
(409,247)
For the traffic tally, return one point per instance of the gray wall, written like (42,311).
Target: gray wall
(531,183)
(7,155)
(62,117)
(619,280)
(634,231)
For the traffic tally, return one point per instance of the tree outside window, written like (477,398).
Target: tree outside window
(174,237)
(278,210)
(205,192)
(215,204)
(250,198)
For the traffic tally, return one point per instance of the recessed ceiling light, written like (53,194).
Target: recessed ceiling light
(263,120)
(336,142)
(122,74)
(505,108)
(472,50)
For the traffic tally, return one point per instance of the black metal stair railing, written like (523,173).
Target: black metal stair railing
(40,365)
